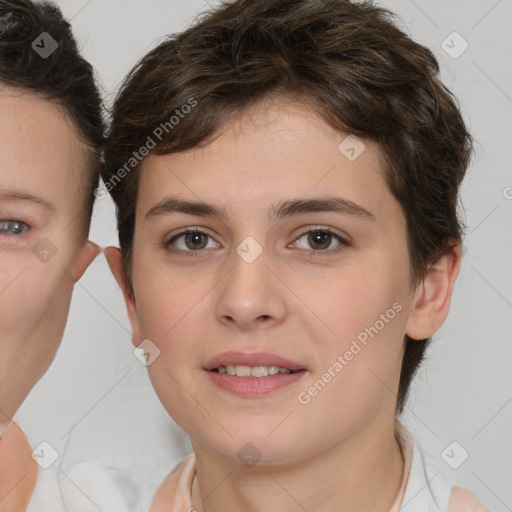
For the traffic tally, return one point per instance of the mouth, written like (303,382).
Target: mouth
(253,374)
(252,371)
(252,364)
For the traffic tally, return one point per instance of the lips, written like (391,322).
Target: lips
(253,375)
(251,360)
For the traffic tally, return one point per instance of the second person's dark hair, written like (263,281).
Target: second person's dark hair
(64,76)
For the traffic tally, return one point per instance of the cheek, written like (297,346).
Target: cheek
(29,287)
(165,314)
(159,303)
(171,312)
(166,300)
(355,300)
(366,312)
(24,302)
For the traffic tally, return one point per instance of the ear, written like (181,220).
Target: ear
(432,297)
(115,262)
(84,258)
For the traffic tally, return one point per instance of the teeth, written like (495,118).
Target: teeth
(259,371)
(243,371)
(251,371)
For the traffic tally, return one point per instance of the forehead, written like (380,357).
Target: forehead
(275,150)
(41,151)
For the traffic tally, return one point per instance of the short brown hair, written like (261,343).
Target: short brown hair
(349,62)
(63,77)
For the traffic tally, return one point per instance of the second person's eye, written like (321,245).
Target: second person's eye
(13,227)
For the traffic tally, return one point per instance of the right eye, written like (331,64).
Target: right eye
(13,227)
(190,238)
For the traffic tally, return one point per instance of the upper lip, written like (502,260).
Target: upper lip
(251,359)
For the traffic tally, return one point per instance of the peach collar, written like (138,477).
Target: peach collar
(18,471)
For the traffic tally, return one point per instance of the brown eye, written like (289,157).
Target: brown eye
(321,239)
(194,240)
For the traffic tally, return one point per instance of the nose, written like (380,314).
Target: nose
(251,296)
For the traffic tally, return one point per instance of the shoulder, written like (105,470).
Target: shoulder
(47,494)
(18,470)
(463,500)
(91,486)
(428,490)
(176,488)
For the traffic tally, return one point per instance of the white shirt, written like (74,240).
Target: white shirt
(88,487)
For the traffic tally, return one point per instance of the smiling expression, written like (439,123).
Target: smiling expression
(293,250)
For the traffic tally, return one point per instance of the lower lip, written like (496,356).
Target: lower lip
(254,386)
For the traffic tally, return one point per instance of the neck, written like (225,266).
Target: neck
(5,419)
(3,427)
(19,371)
(362,472)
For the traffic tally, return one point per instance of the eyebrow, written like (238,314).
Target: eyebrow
(20,196)
(288,208)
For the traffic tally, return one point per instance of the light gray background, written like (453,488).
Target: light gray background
(96,402)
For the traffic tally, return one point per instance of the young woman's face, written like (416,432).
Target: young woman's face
(272,284)
(43,238)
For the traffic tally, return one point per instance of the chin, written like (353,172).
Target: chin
(251,449)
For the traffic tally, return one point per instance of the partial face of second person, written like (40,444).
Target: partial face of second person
(43,237)
(304,298)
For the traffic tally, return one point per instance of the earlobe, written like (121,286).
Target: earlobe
(433,296)
(115,262)
(84,258)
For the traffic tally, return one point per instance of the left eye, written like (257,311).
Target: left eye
(320,239)
(13,227)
